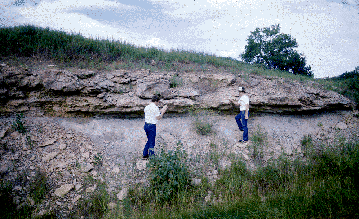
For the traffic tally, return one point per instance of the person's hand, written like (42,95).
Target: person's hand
(245,117)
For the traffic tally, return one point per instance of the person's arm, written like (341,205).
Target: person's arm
(246,111)
(162,111)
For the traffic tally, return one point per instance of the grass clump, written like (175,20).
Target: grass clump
(259,142)
(203,123)
(18,124)
(307,144)
(175,81)
(39,186)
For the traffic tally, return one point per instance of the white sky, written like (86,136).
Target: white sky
(327,31)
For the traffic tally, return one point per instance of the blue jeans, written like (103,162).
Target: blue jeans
(242,124)
(150,130)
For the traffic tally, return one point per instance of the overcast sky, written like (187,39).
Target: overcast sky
(327,31)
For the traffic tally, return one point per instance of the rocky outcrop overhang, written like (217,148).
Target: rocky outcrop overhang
(62,92)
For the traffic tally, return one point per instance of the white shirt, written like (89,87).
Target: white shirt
(151,111)
(243,101)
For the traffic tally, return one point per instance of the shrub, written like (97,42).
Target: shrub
(169,174)
(202,127)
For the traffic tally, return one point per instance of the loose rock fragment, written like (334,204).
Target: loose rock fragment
(63,190)
(122,194)
(341,125)
(141,164)
(91,189)
(87,168)
(47,142)
(76,198)
(111,205)
(49,156)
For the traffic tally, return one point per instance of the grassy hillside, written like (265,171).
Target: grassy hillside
(28,45)
(346,84)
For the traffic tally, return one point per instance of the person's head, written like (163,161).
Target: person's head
(155,98)
(241,90)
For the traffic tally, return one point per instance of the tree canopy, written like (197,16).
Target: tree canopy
(275,50)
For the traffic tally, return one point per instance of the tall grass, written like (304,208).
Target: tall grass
(74,50)
(28,40)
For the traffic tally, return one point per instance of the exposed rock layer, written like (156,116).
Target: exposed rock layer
(58,92)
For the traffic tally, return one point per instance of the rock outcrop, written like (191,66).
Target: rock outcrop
(58,92)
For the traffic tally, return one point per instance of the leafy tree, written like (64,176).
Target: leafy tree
(275,50)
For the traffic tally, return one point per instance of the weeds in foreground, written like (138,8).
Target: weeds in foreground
(8,207)
(319,186)
(93,205)
(39,186)
(169,174)
(307,144)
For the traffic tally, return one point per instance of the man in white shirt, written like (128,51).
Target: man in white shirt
(242,117)
(152,115)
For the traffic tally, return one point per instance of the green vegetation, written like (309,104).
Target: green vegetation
(259,142)
(98,159)
(43,43)
(93,205)
(346,84)
(175,81)
(8,207)
(38,185)
(323,185)
(169,175)
(18,124)
(203,124)
(274,50)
